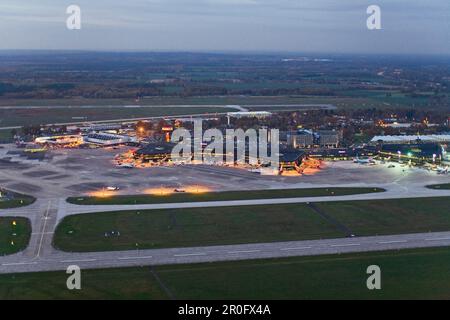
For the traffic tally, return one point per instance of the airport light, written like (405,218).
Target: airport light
(161,191)
(197,189)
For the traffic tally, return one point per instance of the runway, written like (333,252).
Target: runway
(391,193)
(60,261)
(45,214)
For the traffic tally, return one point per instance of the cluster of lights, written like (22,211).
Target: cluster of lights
(160,191)
(102,193)
(165,191)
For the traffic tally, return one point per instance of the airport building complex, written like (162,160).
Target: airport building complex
(100,139)
(305,139)
(399,139)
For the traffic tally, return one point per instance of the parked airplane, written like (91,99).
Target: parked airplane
(126,165)
(442,170)
(364,160)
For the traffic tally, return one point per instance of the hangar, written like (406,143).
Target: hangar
(107,139)
(155,152)
(60,140)
(417,153)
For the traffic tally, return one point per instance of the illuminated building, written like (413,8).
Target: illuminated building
(60,140)
(416,153)
(107,139)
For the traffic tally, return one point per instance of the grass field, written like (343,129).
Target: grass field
(19,200)
(130,283)
(14,238)
(37,116)
(248,224)
(391,216)
(190,227)
(155,101)
(445,186)
(407,274)
(6,136)
(364,100)
(221,196)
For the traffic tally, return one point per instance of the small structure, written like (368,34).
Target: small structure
(301,139)
(248,114)
(329,138)
(305,139)
(154,152)
(60,140)
(416,153)
(291,160)
(405,139)
(107,139)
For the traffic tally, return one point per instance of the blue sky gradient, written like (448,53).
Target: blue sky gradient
(335,26)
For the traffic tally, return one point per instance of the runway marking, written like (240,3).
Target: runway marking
(133,258)
(189,254)
(81,260)
(437,239)
(18,263)
(345,245)
(298,248)
(393,241)
(244,251)
(37,233)
(43,229)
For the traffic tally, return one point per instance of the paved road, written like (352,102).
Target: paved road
(60,261)
(236,107)
(397,193)
(121,120)
(46,213)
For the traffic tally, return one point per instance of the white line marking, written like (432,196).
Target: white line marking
(82,260)
(132,258)
(345,245)
(437,239)
(43,229)
(393,241)
(189,254)
(298,248)
(18,263)
(244,251)
(37,233)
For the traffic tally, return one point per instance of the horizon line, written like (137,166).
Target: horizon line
(237,52)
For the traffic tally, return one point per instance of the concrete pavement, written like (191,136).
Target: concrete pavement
(45,214)
(52,261)
(391,192)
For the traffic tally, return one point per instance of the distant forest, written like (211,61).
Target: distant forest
(65,75)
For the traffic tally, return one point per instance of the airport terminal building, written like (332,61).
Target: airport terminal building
(290,159)
(416,153)
(415,148)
